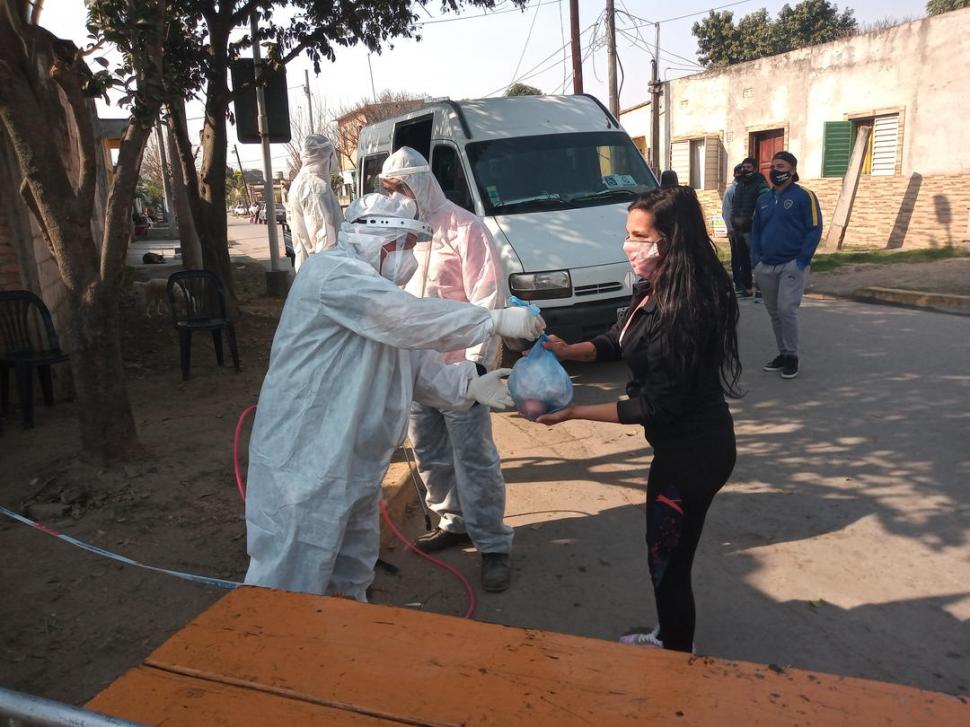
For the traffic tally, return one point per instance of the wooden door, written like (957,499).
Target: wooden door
(765,144)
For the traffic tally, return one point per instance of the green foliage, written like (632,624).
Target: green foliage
(235,186)
(721,42)
(826,262)
(150,191)
(938,7)
(522,89)
(143,80)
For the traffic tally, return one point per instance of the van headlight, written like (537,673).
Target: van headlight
(541,286)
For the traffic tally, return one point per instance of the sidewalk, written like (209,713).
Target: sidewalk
(938,285)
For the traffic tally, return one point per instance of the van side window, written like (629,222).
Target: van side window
(447,169)
(415,133)
(371,168)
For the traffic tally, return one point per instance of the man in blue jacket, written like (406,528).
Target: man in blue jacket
(786,229)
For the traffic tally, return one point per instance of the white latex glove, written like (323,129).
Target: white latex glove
(517,323)
(490,390)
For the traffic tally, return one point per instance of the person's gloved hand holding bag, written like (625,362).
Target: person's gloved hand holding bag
(490,390)
(517,323)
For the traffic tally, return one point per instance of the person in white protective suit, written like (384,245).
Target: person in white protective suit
(351,352)
(312,210)
(456,455)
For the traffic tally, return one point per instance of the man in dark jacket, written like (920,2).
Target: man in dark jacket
(786,231)
(750,186)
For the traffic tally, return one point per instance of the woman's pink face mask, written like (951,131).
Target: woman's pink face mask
(643,256)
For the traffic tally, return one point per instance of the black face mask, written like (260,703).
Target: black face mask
(779,178)
(748,175)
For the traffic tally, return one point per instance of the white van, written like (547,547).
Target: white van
(551,176)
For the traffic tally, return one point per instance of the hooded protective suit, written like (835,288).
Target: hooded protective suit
(349,356)
(461,262)
(456,454)
(312,210)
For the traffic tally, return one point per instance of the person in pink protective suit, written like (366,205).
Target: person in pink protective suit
(456,455)
(313,212)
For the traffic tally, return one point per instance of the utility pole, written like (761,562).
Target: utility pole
(655,102)
(611,58)
(275,278)
(249,199)
(370,70)
(576,50)
(309,98)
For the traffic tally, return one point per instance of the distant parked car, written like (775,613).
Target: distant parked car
(288,243)
(240,210)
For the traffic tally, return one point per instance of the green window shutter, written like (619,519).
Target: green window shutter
(837,148)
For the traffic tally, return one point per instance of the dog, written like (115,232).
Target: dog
(151,297)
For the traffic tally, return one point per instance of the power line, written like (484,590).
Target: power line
(483,15)
(529,73)
(525,46)
(688,15)
(663,51)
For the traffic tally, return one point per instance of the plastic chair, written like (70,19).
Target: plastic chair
(28,342)
(198,303)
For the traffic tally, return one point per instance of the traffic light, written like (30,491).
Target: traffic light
(277,102)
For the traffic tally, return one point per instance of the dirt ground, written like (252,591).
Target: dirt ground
(72,621)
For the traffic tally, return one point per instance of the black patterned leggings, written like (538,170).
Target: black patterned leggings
(682,483)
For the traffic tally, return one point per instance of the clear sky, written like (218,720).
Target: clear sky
(475,54)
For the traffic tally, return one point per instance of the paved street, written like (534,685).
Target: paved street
(841,543)
(251,242)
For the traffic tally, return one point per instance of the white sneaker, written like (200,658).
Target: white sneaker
(640,639)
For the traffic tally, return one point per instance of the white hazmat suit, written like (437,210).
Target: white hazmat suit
(312,210)
(351,352)
(457,457)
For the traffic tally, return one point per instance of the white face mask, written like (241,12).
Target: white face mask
(399,266)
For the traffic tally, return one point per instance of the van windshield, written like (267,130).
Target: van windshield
(557,171)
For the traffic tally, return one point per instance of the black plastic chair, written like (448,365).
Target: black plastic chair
(198,303)
(28,342)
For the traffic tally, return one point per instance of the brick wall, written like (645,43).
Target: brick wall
(892,212)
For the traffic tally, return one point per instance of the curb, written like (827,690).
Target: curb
(952,303)
(945,302)
(398,492)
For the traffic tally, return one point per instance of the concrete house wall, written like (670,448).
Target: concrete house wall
(912,71)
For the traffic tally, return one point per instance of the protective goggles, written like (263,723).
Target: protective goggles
(400,173)
(402,225)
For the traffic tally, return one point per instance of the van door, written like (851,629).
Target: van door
(415,133)
(448,170)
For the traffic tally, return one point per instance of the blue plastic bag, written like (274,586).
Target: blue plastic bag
(539,384)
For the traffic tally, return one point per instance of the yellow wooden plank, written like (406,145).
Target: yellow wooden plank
(433,669)
(153,697)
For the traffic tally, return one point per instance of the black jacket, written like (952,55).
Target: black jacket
(670,407)
(746,200)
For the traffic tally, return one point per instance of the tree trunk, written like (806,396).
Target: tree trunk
(189,238)
(104,410)
(41,91)
(212,187)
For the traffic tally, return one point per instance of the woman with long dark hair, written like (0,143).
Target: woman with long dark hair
(679,339)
